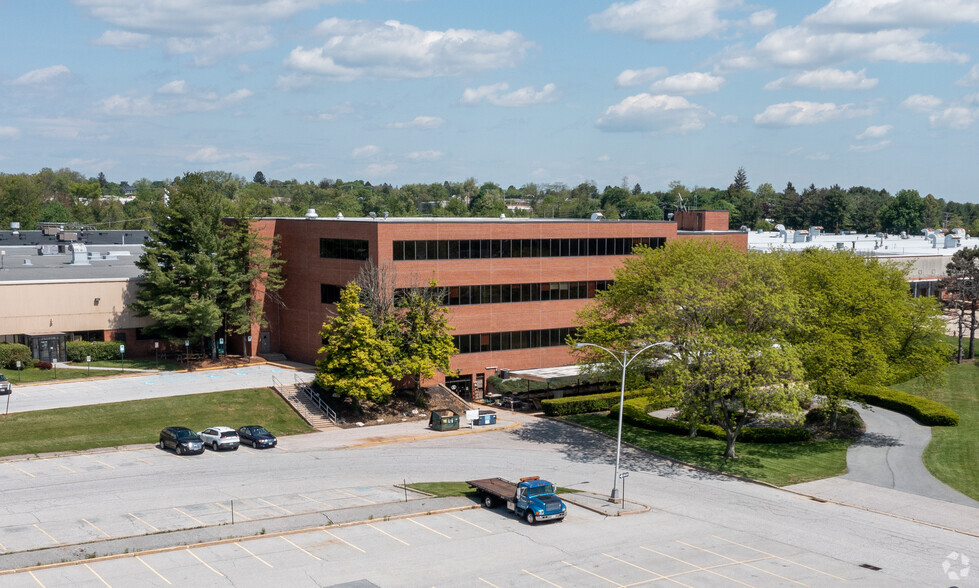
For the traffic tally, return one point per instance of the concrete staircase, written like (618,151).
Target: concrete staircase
(273,357)
(305,407)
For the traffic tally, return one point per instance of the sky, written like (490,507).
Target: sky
(879,93)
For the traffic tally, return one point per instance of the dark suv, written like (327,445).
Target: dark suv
(182,440)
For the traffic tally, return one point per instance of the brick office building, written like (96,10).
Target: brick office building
(513,285)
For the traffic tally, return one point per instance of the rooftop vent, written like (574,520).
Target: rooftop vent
(595,216)
(311,213)
(339,215)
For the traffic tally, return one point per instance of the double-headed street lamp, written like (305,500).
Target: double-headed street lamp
(624,362)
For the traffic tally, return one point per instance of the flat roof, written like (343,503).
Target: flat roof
(25,264)
(888,245)
(455,219)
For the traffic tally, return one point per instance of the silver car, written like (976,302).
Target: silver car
(5,386)
(218,438)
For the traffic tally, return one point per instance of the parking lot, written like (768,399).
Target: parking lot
(426,544)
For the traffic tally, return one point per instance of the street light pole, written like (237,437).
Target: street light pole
(624,362)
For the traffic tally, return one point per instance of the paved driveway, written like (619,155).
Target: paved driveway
(147,385)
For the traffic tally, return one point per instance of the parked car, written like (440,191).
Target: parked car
(181,439)
(256,436)
(218,438)
(5,386)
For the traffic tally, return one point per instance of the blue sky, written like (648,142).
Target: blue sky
(882,93)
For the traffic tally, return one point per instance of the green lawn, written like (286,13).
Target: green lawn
(953,452)
(140,421)
(780,464)
(139,363)
(36,375)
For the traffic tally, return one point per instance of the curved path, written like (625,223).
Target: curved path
(889,456)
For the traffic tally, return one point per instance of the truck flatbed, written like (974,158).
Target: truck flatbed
(500,488)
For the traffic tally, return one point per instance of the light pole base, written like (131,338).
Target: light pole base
(614,498)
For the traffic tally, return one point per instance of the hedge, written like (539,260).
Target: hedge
(97,350)
(927,412)
(635,412)
(592,402)
(11,353)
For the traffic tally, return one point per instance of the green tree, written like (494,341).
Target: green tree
(355,361)
(426,343)
(904,213)
(961,282)
(20,201)
(858,325)
(728,316)
(182,281)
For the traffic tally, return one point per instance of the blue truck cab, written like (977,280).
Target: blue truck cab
(532,499)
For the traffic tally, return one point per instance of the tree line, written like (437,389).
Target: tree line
(66,196)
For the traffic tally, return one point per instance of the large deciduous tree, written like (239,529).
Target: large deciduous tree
(355,361)
(858,325)
(728,316)
(962,284)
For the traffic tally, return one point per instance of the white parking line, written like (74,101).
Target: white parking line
(349,544)
(429,528)
(238,514)
(20,470)
(39,583)
(638,567)
(299,548)
(190,516)
(541,579)
(46,533)
(388,534)
(367,500)
(144,522)
(697,568)
(98,576)
(314,500)
(204,562)
(590,573)
(746,564)
(252,554)
(64,467)
(99,461)
(781,558)
(96,528)
(287,511)
(469,522)
(148,566)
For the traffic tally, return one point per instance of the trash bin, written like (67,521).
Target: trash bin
(486,417)
(443,420)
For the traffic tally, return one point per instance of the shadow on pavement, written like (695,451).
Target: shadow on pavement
(585,446)
(877,440)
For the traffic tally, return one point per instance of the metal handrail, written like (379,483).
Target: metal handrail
(308,390)
(277,385)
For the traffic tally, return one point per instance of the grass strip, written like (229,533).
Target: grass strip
(32,375)
(953,452)
(140,421)
(780,464)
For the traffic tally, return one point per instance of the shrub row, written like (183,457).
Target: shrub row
(925,411)
(592,402)
(97,350)
(635,412)
(11,353)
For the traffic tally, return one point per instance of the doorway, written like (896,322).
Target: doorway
(264,342)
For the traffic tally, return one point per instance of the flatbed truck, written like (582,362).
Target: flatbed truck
(531,498)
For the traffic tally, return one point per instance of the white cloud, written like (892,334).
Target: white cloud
(869,148)
(894,13)
(818,156)
(9,132)
(210,30)
(875,132)
(365,151)
(380,169)
(174,87)
(119,105)
(687,84)
(419,122)
(661,20)
(495,95)
(41,76)
(294,81)
(604,158)
(62,128)
(762,18)
(208,154)
(922,102)
(123,40)
(971,78)
(425,155)
(825,79)
(954,117)
(393,50)
(798,113)
(634,77)
(655,114)
(801,47)
(729,119)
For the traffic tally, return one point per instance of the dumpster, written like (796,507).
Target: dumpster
(486,417)
(443,420)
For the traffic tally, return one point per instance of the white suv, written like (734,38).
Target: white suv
(218,438)
(5,386)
